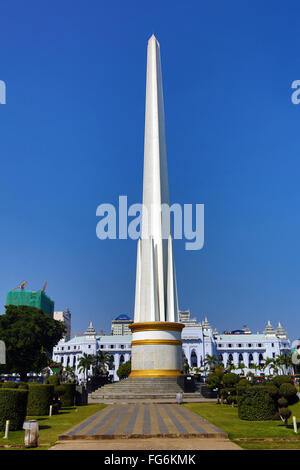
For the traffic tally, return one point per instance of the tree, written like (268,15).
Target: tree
(242,367)
(211,361)
(99,363)
(29,335)
(124,370)
(254,367)
(271,364)
(284,361)
(215,380)
(85,363)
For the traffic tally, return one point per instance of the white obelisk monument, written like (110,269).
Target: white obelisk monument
(156,334)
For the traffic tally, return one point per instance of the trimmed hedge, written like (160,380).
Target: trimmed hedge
(13,405)
(256,404)
(68,398)
(53,380)
(40,398)
(10,384)
(282,379)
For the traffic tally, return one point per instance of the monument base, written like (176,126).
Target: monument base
(156,349)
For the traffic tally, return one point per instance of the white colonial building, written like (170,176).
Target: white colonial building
(198,341)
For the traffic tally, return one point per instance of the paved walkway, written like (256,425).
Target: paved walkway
(148,444)
(138,421)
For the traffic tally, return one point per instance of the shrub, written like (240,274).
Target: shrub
(284,414)
(243,383)
(22,386)
(13,404)
(255,404)
(287,390)
(231,399)
(272,390)
(68,397)
(124,370)
(282,402)
(53,380)
(230,379)
(282,379)
(39,399)
(59,391)
(9,384)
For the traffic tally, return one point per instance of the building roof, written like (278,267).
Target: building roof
(123,316)
(115,338)
(241,338)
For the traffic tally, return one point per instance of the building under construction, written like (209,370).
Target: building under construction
(29,298)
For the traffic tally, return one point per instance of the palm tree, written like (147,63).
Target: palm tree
(271,363)
(230,366)
(100,361)
(85,363)
(211,361)
(284,361)
(242,366)
(69,373)
(254,366)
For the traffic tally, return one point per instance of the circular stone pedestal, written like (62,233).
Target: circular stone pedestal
(156,349)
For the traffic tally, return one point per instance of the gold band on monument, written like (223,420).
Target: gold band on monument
(138,342)
(156,325)
(155,373)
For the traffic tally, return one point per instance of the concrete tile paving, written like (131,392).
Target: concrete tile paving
(143,421)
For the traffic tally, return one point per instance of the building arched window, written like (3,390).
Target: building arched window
(112,363)
(121,359)
(250,359)
(230,358)
(261,359)
(193,359)
(241,359)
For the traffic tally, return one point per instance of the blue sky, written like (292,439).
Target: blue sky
(71,138)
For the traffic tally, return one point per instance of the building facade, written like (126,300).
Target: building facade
(64,317)
(120,325)
(239,347)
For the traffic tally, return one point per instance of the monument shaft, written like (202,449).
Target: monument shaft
(156,344)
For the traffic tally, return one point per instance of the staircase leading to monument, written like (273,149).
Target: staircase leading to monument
(156,389)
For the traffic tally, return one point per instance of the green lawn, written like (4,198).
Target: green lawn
(226,418)
(51,427)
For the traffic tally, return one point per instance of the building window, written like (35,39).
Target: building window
(259,345)
(69,348)
(273,346)
(101,346)
(273,355)
(122,346)
(62,349)
(122,359)
(111,346)
(229,345)
(239,345)
(241,358)
(250,359)
(74,347)
(193,359)
(249,345)
(220,345)
(89,346)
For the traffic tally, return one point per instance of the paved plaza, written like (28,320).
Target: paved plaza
(129,421)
